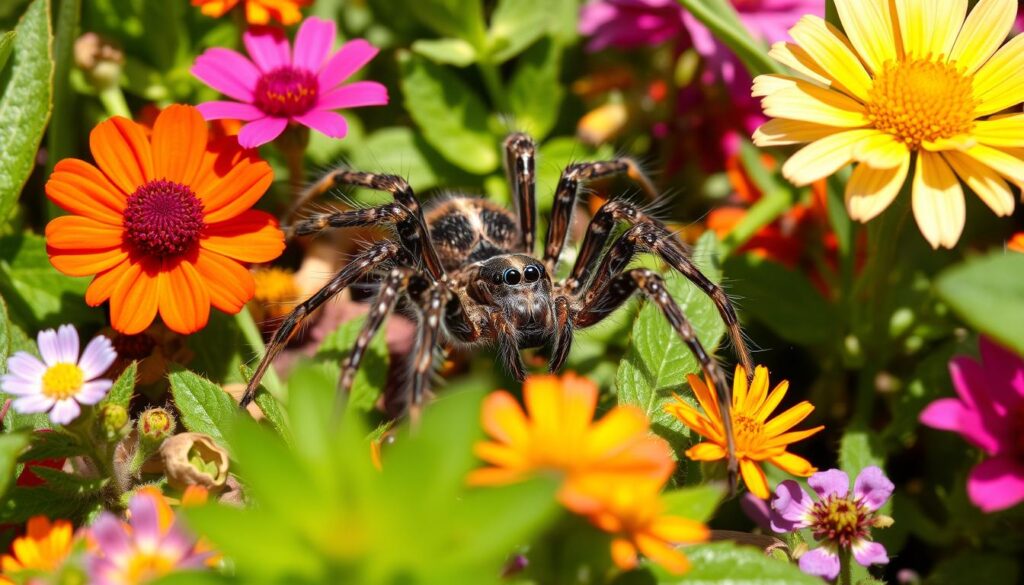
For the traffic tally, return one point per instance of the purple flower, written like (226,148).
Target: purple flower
(988,414)
(151,544)
(626,24)
(839,520)
(282,84)
(61,381)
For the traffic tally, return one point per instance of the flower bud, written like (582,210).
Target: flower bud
(882,521)
(113,419)
(194,459)
(156,424)
(99,58)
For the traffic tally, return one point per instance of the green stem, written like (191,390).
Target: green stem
(845,572)
(113,102)
(495,89)
(762,213)
(252,335)
(753,56)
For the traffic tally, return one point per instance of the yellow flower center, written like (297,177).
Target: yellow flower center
(922,100)
(62,381)
(748,431)
(145,566)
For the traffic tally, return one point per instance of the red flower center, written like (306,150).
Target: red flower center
(134,347)
(163,218)
(840,520)
(287,92)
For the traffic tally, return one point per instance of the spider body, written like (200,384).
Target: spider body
(466,268)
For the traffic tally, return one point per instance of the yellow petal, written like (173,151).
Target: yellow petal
(803,100)
(986,183)
(824,157)
(620,426)
(1006,131)
(829,47)
(624,554)
(771,401)
(930,27)
(1006,162)
(754,477)
(938,201)
(705,396)
(797,59)
(503,418)
(985,29)
(788,419)
(882,151)
(672,560)
(500,455)
(870,191)
(999,84)
(793,464)
(781,132)
(706,452)
(679,530)
(868,24)
(786,439)
(758,391)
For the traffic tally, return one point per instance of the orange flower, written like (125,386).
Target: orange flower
(559,435)
(43,548)
(1016,243)
(633,513)
(757,438)
(256,11)
(164,224)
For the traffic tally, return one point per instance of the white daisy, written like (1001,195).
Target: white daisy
(61,381)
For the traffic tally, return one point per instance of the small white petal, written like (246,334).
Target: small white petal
(18,387)
(26,366)
(65,411)
(68,344)
(48,348)
(93,392)
(97,357)
(31,404)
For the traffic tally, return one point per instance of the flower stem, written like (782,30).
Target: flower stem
(845,573)
(251,333)
(753,56)
(113,101)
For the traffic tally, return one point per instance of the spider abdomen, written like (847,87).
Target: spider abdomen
(467,229)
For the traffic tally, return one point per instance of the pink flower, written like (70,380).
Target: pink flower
(626,24)
(988,414)
(280,84)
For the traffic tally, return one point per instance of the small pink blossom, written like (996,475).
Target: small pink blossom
(988,413)
(282,84)
(626,24)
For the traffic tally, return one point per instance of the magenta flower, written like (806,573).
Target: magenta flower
(282,85)
(988,414)
(838,520)
(626,24)
(150,545)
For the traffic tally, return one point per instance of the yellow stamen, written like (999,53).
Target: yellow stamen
(62,381)
(921,100)
(146,566)
(748,432)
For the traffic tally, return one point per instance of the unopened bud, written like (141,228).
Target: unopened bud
(113,419)
(194,459)
(99,58)
(156,424)
(882,521)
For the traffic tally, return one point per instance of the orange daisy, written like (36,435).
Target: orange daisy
(757,438)
(557,434)
(256,11)
(43,548)
(165,223)
(633,513)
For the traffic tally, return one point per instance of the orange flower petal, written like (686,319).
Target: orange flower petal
(82,233)
(772,402)
(179,143)
(579,401)
(503,418)
(755,479)
(788,419)
(671,559)
(706,451)
(679,530)
(85,262)
(230,284)
(490,476)
(80,188)
(103,286)
(500,455)
(705,397)
(134,302)
(622,425)
(697,422)
(252,236)
(758,389)
(184,299)
(236,190)
(789,438)
(624,554)
(543,398)
(793,464)
(122,152)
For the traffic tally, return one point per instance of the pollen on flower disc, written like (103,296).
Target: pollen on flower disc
(286,92)
(163,218)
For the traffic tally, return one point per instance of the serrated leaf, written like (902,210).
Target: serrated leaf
(657,361)
(463,19)
(54,445)
(69,484)
(11,446)
(373,370)
(269,405)
(6,44)
(446,51)
(536,109)
(451,115)
(37,295)
(696,503)
(401,151)
(204,406)
(515,25)
(737,565)
(124,387)
(986,292)
(25,103)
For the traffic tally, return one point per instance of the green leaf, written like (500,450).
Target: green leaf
(696,503)
(373,370)
(123,388)
(399,150)
(657,361)
(6,45)
(162,23)
(858,449)
(446,51)
(987,293)
(515,25)
(24,502)
(55,445)
(782,299)
(269,405)
(11,446)
(204,406)
(451,115)
(69,484)
(64,127)
(13,419)
(463,19)
(737,565)
(535,94)
(25,103)
(37,295)
(5,335)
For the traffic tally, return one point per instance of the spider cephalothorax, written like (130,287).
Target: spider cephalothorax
(467,269)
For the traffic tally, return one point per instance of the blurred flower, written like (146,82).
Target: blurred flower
(632,512)
(256,11)
(151,544)
(1016,243)
(164,224)
(194,459)
(62,380)
(988,413)
(603,123)
(99,58)
(840,522)
(43,548)
(557,434)
(276,293)
(154,349)
(757,438)
(849,113)
(281,85)
(629,23)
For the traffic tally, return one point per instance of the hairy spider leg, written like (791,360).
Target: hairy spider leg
(431,306)
(360,266)
(520,165)
(568,189)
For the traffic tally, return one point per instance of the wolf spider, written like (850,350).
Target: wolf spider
(468,269)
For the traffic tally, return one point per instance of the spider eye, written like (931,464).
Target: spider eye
(512,276)
(531,273)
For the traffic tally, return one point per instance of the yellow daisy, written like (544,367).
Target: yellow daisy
(910,81)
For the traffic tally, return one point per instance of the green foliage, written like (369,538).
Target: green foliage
(696,503)
(737,565)
(25,102)
(979,285)
(6,46)
(11,445)
(535,111)
(124,386)
(373,370)
(204,406)
(515,25)
(55,445)
(976,568)
(269,405)
(37,295)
